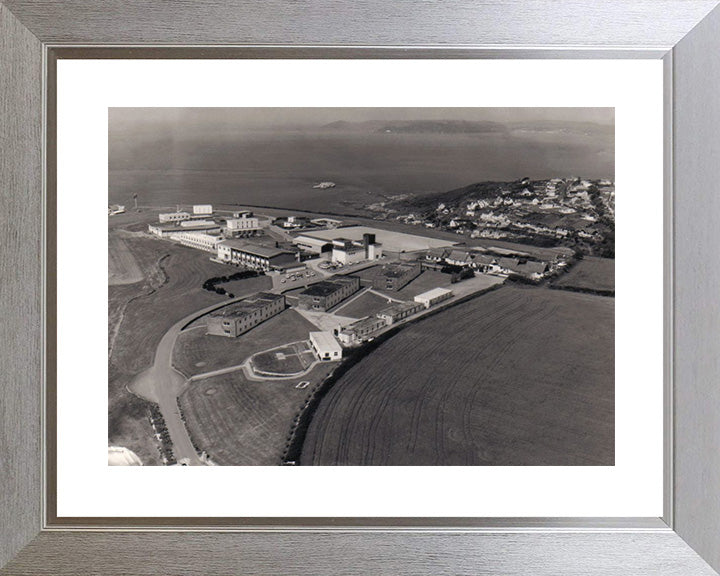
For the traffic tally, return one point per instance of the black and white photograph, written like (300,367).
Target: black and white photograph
(361,286)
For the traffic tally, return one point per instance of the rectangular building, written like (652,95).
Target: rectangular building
(254,256)
(328,293)
(325,346)
(199,240)
(202,209)
(173,217)
(434,296)
(395,276)
(197,223)
(242,226)
(238,318)
(361,330)
(308,243)
(399,311)
(166,229)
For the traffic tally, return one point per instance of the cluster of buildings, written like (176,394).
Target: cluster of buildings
(560,209)
(482,261)
(366,328)
(341,250)
(229,239)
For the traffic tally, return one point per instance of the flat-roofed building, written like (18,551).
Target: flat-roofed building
(238,318)
(396,275)
(173,217)
(244,226)
(399,311)
(166,229)
(327,222)
(255,256)
(313,245)
(361,330)
(434,296)
(197,223)
(202,209)
(327,293)
(325,346)
(199,240)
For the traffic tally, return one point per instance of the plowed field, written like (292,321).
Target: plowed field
(518,376)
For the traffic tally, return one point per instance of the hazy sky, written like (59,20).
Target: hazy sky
(124,118)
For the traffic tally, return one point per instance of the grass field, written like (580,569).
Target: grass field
(244,423)
(163,303)
(286,360)
(364,305)
(122,267)
(518,376)
(590,274)
(196,352)
(139,314)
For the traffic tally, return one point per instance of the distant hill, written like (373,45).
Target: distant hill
(419,126)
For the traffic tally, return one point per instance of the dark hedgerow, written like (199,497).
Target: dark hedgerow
(213,284)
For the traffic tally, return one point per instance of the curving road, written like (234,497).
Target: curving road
(162,384)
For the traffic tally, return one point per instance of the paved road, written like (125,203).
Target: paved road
(162,384)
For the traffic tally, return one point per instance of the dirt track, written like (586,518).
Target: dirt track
(122,267)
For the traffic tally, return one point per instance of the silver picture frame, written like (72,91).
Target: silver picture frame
(685,34)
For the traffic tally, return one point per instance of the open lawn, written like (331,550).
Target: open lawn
(161,304)
(589,273)
(196,352)
(366,304)
(287,360)
(517,376)
(239,422)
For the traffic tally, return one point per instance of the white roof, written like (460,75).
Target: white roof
(311,240)
(325,341)
(197,223)
(434,293)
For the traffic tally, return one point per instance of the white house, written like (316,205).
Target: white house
(325,346)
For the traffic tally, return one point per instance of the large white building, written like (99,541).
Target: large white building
(203,209)
(348,252)
(198,240)
(254,256)
(244,225)
(434,296)
(325,346)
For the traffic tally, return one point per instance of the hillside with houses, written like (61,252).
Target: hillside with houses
(572,212)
